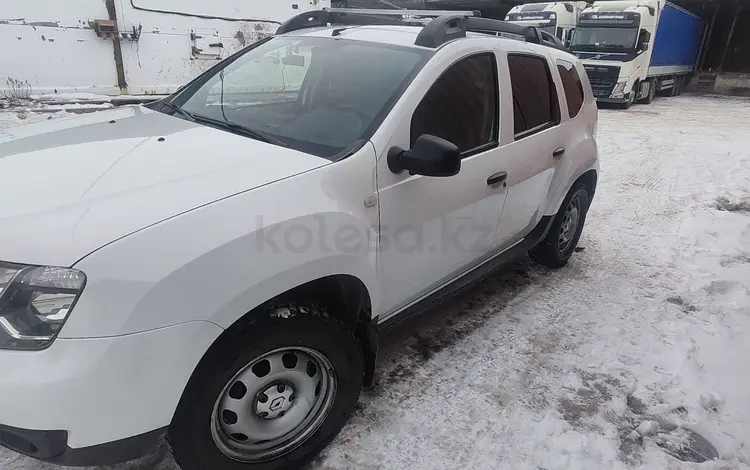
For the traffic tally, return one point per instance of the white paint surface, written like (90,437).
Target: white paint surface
(533,368)
(51,45)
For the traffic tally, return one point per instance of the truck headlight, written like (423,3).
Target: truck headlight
(35,302)
(618,90)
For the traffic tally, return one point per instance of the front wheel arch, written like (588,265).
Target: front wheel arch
(345,296)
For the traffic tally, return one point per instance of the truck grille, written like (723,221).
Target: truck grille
(602,78)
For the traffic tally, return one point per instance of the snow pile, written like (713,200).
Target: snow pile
(17,117)
(635,356)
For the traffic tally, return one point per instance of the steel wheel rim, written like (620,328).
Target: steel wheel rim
(261,416)
(569,225)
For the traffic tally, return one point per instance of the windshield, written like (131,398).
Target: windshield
(317,95)
(604,38)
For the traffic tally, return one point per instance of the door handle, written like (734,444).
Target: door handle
(498,177)
(558,152)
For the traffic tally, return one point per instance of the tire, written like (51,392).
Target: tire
(676,86)
(629,102)
(555,250)
(681,85)
(271,360)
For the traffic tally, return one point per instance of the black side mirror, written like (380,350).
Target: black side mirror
(643,40)
(430,156)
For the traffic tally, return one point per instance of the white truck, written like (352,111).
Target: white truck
(557,18)
(634,49)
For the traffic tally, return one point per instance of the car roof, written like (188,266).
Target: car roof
(405,36)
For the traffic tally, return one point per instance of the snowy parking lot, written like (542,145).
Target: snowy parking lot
(635,356)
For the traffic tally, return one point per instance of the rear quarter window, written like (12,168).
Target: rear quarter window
(572,86)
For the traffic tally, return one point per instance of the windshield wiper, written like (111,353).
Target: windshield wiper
(239,129)
(186,114)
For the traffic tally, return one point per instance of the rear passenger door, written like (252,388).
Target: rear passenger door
(537,143)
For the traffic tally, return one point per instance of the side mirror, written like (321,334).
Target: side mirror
(430,156)
(294,60)
(643,40)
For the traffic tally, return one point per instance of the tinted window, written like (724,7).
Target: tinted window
(572,85)
(535,104)
(316,95)
(461,106)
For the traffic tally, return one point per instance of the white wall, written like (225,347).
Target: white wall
(51,44)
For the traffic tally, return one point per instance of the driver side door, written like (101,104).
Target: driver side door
(435,228)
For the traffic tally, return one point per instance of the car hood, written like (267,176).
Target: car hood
(70,186)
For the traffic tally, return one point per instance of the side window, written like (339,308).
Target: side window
(572,85)
(462,105)
(535,105)
(570,36)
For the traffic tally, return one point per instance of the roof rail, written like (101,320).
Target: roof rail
(362,17)
(446,25)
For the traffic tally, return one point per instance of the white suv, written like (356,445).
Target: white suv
(218,266)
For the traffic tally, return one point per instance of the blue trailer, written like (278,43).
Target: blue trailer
(679,39)
(635,49)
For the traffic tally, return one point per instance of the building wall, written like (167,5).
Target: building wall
(50,46)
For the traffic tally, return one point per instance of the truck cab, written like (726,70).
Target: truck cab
(557,18)
(612,40)
(634,49)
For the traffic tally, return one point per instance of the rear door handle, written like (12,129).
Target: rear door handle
(558,152)
(498,177)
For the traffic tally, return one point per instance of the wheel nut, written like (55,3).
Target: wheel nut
(291,398)
(280,388)
(263,414)
(281,414)
(263,398)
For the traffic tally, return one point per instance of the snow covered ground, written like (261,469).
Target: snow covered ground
(614,362)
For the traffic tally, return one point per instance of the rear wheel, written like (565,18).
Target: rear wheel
(563,236)
(271,397)
(680,84)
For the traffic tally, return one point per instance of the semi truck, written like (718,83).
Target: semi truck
(557,18)
(635,49)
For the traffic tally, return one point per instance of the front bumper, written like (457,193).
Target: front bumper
(52,446)
(613,100)
(98,401)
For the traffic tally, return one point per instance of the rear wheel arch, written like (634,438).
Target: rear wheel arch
(589,179)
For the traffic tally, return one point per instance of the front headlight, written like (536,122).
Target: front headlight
(35,302)
(618,90)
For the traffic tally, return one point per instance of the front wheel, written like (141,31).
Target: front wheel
(631,98)
(270,397)
(562,239)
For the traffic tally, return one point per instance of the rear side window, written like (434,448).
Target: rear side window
(572,85)
(462,105)
(535,105)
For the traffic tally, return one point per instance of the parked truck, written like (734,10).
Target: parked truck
(557,18)
(635,49)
